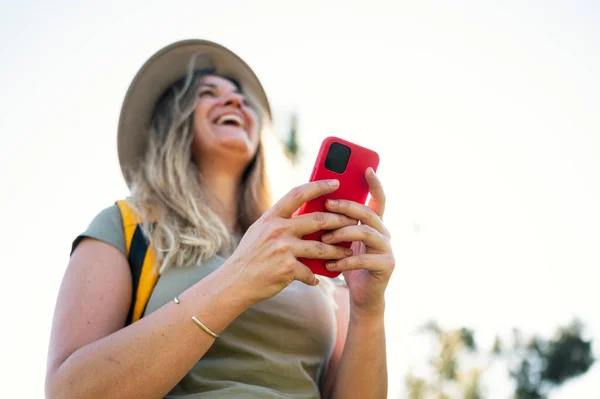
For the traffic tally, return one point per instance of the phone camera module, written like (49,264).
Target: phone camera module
(337,158)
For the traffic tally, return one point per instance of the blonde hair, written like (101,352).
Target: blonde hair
(167,193)
(166,187)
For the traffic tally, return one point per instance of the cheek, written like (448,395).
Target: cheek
(256,128)
(200,130)
(200,121)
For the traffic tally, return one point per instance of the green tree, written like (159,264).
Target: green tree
(542,365)
(417,387)
(450,379)
(290,143)
(536,365)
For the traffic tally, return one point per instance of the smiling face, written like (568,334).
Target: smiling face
(226,128)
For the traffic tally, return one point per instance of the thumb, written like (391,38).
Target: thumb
(305,275)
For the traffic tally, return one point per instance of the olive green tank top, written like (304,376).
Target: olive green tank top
(278,348)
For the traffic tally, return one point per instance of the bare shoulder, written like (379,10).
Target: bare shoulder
(93,299)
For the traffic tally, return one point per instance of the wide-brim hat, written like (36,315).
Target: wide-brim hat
(161,71)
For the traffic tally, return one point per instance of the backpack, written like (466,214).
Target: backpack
(141,258)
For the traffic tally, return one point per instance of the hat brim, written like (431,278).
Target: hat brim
(161,71)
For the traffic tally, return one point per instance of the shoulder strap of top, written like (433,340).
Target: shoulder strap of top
(142,261)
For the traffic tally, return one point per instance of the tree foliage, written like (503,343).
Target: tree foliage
(542,365)
(536,365)
(290,143)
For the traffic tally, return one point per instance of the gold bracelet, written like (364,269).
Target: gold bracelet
(208,330)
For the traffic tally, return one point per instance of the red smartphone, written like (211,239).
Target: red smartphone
(347,162)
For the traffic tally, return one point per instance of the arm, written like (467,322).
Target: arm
(358,366)
(92,356)
(361,370)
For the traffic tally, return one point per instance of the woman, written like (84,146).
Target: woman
(189,146)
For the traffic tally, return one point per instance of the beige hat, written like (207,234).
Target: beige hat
(162,70)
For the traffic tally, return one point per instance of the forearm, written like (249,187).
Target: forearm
(362,372)
(148,358)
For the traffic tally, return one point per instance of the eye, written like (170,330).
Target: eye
(248,104)
(206,92)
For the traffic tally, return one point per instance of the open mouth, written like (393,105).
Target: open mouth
(229,120)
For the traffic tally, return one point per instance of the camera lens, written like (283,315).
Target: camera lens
(337,157)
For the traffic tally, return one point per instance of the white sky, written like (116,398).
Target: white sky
(485,116)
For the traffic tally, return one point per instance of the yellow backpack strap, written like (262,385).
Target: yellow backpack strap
(142,258)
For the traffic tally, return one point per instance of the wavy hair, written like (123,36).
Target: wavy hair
(167,190)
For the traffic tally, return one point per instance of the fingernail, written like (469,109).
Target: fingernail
(330,265)
(371,170)
(326,237)
(317,281)
(334,182)
(348,252)
(333,203)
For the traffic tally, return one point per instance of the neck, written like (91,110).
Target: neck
(222,188)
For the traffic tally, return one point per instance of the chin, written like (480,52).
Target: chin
(228,147)
(232,155)
(243,149)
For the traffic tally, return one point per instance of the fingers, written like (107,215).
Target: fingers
(317,250)
(305,275)
(365,233)
(377,202)
(382,263)
(312,222)
(294,199)
(358,211)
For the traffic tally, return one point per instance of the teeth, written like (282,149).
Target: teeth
(230,118)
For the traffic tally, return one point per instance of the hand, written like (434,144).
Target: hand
(368,271)
(265,262)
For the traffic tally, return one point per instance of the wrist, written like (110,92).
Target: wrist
(371,314)
(215,300)
(232,284)
(228,286)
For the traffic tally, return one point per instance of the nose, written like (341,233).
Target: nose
(233,100)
